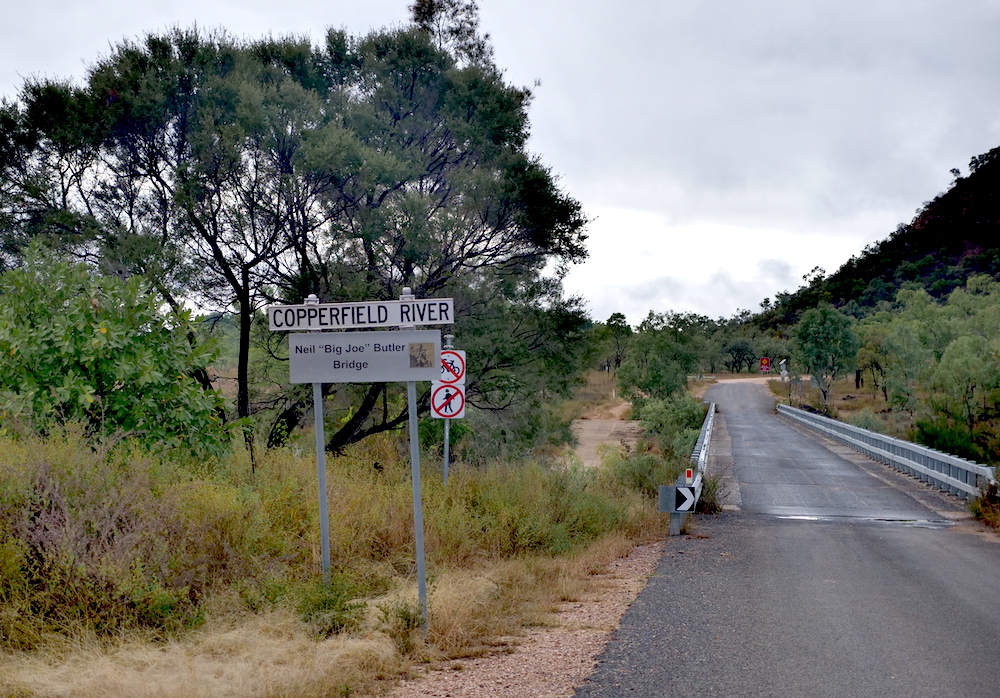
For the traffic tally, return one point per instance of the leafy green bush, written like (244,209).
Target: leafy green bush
(329,607)
(75,346)
(866,419)
(644,472)
(674,421)
(939,433)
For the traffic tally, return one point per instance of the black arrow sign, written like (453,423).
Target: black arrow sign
(684,499)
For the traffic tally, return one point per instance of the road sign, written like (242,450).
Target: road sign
(364,357)
(447,400)
(765,364)
(684,498)
(453,366)
(366,314)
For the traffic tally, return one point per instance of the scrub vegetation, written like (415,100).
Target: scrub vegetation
(109,553)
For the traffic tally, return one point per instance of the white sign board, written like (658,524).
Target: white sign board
(447,400)
(366,314)
(364,357)
(453,366)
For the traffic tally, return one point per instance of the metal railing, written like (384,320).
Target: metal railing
(699,456)
(957,475)
(699,461)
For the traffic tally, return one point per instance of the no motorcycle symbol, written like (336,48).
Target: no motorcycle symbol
(447,401)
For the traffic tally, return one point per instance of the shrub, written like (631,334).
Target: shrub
(866,419)
(644,472)
(675,422)
(75,346)
(329,607)
(112,539)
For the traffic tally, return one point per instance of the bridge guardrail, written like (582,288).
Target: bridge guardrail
(957,475)
(689,492)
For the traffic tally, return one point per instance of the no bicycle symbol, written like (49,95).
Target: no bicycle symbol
(453,366)
(447,400)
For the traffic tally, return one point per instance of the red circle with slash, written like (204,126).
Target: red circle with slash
(452,366)
(448,405)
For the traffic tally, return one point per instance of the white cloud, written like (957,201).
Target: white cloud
(639,261)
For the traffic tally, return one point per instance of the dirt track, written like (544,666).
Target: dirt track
(591,433)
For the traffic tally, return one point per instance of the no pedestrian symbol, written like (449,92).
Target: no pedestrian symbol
(447,400)
(453,366)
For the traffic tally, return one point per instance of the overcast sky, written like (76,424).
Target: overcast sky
(723,149)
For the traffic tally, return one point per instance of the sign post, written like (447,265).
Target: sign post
(448,393)
(404,355)
(418,505)
(324,516)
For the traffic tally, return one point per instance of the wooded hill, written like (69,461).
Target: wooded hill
(952,237)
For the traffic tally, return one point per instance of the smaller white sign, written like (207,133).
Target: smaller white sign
(447,400)
(453,366)
(364,357)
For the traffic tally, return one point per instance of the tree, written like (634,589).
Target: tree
(454,25)
(236,174)
(741,352)
(826,346)
(76,346)
(874,356)
(666,347)
(613,337)
(964,379)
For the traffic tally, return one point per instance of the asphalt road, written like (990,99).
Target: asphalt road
(834,578)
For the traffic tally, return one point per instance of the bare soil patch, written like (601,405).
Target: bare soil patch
(605,424)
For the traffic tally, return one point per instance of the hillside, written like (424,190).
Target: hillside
(955,235)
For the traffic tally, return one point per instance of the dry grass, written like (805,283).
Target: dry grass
(849,404)
(236,558)
(596,398)
(266,655)
(271,654)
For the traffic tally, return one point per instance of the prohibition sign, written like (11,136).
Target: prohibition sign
(448,401)
(453,366)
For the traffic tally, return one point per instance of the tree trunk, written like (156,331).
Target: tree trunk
(345,434)
(243,374)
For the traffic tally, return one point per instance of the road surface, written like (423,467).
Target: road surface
(833,578)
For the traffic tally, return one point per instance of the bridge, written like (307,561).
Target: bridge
(829,574)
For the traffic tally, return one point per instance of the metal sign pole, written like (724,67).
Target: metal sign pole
(418,507)
(447,434)
(324,516)
(447,423)
(404,355)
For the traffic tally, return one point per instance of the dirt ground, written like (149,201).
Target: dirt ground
(606,426)
(607,423)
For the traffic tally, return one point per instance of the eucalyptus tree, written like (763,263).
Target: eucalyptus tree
(666,347)
(238,173)
(826,346)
